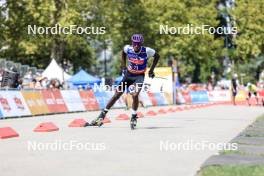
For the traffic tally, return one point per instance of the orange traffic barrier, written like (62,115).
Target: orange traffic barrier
(46,127)
(78,123)
(7,132)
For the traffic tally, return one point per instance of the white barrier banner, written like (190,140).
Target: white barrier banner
(162,82)
(73,100)
(219,95)
(143,96)
(12,104)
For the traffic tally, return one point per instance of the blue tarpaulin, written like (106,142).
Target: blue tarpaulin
(82,78)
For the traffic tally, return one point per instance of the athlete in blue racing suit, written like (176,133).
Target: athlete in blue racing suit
(133,74)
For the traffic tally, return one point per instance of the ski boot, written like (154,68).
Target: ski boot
(133,121)
(98,121)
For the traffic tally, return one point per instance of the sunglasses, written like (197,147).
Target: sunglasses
(136,44)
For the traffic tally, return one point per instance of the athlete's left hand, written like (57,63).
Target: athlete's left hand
(151,74)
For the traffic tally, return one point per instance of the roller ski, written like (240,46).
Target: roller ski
(133,121)
(98,121)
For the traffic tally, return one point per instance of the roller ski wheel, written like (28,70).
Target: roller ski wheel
(99,121)
(133,122)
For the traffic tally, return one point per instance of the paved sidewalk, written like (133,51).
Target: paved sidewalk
(250,148)
(127,153)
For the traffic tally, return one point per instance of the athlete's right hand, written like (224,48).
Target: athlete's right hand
(124,71)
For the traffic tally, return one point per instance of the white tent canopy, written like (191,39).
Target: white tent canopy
(54,71)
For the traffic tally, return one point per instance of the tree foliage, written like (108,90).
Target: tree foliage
(197,55)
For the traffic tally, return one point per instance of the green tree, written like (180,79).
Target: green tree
(197,54)
(249,18)
(38,49)
(128,17)
(2,19)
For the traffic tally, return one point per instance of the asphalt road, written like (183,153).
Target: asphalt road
(161,145)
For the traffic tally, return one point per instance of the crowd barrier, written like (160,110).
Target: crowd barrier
(199,96)
(194,97)
(14,103)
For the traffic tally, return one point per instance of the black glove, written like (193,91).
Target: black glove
(151,74)
(124,71)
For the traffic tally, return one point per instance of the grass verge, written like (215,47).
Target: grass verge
(239,170)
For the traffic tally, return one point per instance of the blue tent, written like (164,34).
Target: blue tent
(82,78)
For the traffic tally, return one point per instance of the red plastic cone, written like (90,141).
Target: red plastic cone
(179,109)
(78,123)
(186,108)
(200,106)
(140,115)
(106,120)
(7,132)
(46,127)
(193,106)
(162,111)
(171,110)
(122,117)
(151,113)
